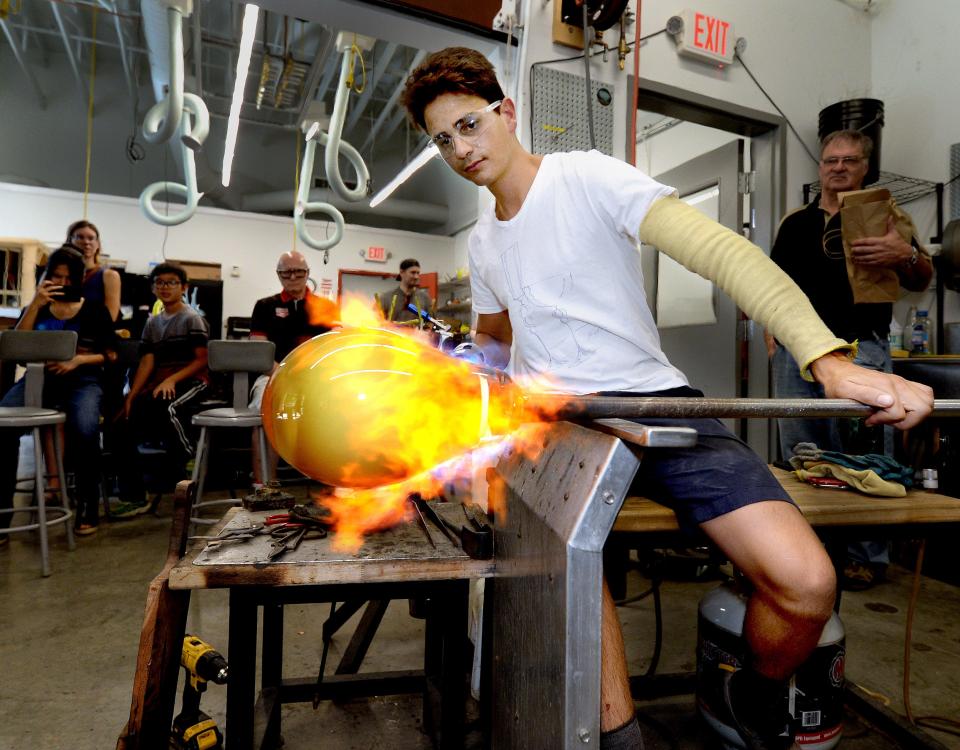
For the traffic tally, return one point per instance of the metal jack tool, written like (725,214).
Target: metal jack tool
(412,499)
(446,527)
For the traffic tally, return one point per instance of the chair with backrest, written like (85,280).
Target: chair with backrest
(35,349)
(115,378)
(241,358)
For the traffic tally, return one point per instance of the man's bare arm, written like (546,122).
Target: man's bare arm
(494,336)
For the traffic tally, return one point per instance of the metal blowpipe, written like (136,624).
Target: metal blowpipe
(603,407)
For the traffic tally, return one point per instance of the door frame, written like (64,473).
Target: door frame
(768,159)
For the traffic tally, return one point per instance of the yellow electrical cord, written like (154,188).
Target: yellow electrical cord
(93,78)
(938,723)
(356,52)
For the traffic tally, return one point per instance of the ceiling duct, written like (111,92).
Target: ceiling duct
(283,200)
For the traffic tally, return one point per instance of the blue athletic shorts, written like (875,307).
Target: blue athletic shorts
(717,475)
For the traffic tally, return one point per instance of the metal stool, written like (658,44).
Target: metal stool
(36,348)
(240,358)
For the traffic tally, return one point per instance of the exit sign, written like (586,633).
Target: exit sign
(377,254)
(707,38)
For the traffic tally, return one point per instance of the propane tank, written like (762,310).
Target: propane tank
(815,695)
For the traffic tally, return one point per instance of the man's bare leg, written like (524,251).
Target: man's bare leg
(793,578)
(794,587)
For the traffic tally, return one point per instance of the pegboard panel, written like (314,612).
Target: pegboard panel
(559,113)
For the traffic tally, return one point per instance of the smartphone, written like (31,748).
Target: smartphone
(69,294)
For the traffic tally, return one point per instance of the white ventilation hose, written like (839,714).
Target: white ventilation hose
(163,118)
(189,134)
(335,145)
(303,205)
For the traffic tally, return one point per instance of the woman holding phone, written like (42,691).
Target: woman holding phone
(100,284)
(74,386)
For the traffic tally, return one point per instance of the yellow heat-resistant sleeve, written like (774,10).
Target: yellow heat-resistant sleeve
(741,269)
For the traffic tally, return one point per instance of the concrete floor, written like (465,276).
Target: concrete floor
(70,641)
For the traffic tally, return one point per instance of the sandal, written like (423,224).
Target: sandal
(858,576)
(85,529)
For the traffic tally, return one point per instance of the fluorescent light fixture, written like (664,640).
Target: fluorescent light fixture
(250,15)
(406,173)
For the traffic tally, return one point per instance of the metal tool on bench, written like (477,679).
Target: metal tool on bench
(238,534)
(421,521)
(428,511)
(290,529)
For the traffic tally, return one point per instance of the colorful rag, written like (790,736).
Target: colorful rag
(883,466)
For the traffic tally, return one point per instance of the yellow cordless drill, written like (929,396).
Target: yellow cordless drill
(192,728)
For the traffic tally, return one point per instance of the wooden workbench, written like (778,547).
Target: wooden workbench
(823,508)
(396,555)
(398,563)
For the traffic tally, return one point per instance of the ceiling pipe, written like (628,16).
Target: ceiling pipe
(111,7)
(281,200)
(197,50)
(334,145)
(58,19)
(38,92)
(78,38)
(162,28)
(391,102)
(379,68)
(317,68)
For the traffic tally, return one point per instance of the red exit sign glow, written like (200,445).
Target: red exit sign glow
(707,37)
(377,254)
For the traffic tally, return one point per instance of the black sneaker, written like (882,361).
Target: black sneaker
(767,733)
(125,509)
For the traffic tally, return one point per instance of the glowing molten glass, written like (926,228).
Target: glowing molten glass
(365,407)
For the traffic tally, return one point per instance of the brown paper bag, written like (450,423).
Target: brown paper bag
(864,213)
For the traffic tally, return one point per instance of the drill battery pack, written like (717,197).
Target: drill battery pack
(198,732)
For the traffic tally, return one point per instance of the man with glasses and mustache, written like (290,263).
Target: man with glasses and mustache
(288,318)
(809,248)
(592,332)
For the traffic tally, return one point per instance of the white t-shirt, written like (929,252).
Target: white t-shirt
(567,268)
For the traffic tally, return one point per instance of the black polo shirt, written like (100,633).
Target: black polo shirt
(808,247)
(288,322)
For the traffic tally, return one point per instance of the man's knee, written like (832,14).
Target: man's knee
(808,592)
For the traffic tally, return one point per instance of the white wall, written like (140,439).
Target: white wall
(913,72)
(807,55)
(251,241)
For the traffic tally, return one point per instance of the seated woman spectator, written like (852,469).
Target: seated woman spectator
(100,284)
(73,387)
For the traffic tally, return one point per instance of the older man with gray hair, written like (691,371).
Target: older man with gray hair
(288,318)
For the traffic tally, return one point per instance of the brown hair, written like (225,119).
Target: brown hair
(454,70)
(865,142)
(84,224)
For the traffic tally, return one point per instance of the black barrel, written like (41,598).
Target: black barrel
(865,115)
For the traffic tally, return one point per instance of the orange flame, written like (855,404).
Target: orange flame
(378,411)
(321,311)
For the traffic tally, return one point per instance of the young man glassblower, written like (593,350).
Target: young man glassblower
(591,331)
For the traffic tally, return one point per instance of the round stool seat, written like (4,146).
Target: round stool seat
(227,417)
(31,416)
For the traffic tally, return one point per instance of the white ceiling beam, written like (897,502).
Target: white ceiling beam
(387,110)
(58,20)
(38,92)
(380,64)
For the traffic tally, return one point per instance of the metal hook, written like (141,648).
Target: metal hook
(163,119)
(335,145)
(303,204)
(191,137)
